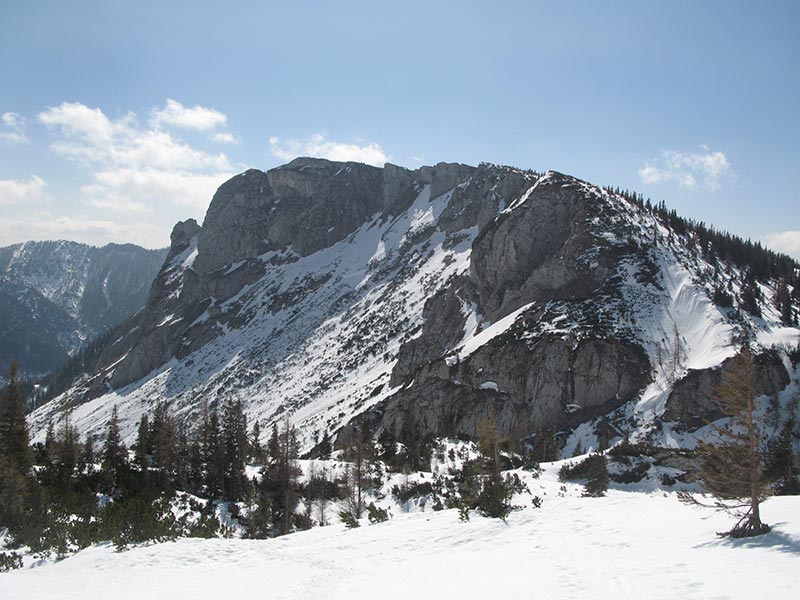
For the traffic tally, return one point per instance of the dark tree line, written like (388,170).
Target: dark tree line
(721,245)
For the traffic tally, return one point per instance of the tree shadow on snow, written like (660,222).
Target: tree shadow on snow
(774,540)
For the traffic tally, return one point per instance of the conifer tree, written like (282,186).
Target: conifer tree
(87,456)
(410,438)
(236,483)
(142,438)
(732,468)
(163,441)
(780,462)
(255,450)
(277,494)
(14,439)
(360,453)
(182,457)
(115,455)
(212,452)
(495,492)
(67,450)
(783,302)
(16,458)
(274,446)
(490,440)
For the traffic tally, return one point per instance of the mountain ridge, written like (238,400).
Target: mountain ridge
(71,290)
(372,305)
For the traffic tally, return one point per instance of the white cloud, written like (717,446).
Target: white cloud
(16,124)
(317,146)
(198,118)
(89,136)
(128,190)
(787,242)
(137,169)
(224,138)
(45,225)
(18,191)
(687,168)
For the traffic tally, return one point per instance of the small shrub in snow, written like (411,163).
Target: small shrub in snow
(593,469)
(376,514)
(10,561)
(349,521)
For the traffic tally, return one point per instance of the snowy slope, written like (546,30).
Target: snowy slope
(366,293)
(626,545)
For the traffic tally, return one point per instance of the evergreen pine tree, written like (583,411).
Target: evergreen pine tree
(783,302)
(212,452)
(182,457)
(142,437)
(163,441)
(780,462)
(14,439)
(597,480)
(67,451)
(360,453)
(274,446)
(277,495)
(732,469)
(236,483)
(87,457)
(16,458)
(255,450)
(114,455)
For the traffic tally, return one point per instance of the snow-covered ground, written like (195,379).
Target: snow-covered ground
(627,545)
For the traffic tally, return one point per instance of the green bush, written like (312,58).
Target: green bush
(10,561)
(376,514)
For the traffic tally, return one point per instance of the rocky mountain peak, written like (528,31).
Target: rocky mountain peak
(338,292)
(307,205)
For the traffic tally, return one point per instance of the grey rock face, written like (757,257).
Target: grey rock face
(182,234)
(556,273)
(530,388)
(443,177)
(236,222)
(691,401)
(530,254)
(308,204)
(444,327)
(477,202)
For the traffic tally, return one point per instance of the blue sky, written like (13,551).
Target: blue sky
(119,119)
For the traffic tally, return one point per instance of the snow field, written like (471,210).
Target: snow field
(626,545)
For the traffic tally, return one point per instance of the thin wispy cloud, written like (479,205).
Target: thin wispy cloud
(787,242)
(198,117)
(13,131)
(45,225)
(135,167)
(318,146)
(688,169)
(224,138)
(21,191)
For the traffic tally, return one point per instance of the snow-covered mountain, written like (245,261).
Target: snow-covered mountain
(338,292)
(56,295)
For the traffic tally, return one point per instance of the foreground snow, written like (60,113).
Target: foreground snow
(627,545)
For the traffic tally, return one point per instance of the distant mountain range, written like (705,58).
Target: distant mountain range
(57,295)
